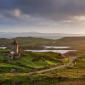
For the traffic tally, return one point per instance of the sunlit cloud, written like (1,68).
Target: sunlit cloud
(79,18)
(15,12)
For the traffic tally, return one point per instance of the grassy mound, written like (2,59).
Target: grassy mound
(29,61)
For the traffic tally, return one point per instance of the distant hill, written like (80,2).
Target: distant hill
(74,42)
(26,41)
(36,35)
(37,43)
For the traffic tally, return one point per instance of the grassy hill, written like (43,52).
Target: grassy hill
(29,61)
(73,42)
(15,72)
(65,76)
(26,42)
(37,43)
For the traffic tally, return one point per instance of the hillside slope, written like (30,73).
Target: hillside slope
(37,43)
(74,42)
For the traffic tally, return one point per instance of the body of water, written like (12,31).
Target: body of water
(57,47)
(55,51)
(3,47)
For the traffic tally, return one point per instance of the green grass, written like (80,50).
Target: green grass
(39,60)
(80,63)
(4,67)
(30,61)
(25,79)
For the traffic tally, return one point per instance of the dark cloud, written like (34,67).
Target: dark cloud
(52,9)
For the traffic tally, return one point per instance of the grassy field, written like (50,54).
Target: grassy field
(29,61)
(16,72)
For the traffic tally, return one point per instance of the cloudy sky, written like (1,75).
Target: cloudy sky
(59,16)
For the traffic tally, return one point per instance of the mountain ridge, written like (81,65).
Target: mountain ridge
(36,35)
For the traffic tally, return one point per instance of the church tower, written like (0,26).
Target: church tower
(15,47)
(14,53)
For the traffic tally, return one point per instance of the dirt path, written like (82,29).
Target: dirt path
(71,60)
